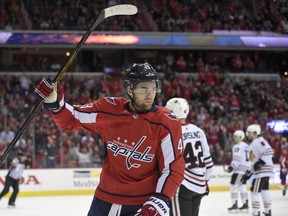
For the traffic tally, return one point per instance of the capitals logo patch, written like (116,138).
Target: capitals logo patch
(110,100)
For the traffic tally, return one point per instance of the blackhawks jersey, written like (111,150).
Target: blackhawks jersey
(198,161)
(240,158)
(259,148)
(143,151)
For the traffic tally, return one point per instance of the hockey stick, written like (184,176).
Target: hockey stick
(237,186)
(122,9)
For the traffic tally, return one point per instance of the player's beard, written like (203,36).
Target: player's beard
(142,106)
(249,139)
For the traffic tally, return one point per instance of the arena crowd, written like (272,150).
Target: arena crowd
(220,103)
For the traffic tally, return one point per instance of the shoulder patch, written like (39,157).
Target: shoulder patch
(89,105)
(171,116)
(110,100)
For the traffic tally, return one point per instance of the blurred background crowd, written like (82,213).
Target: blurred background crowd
(162,15)
(222,95)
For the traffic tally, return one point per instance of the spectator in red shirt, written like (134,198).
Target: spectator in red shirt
(234,103)
(181,64)
(237,63)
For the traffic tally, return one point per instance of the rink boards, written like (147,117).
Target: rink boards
(45,182)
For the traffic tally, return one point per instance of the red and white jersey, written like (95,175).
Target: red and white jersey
(240,158)
(198,161)
(284,160)
(144,151)
(259,148)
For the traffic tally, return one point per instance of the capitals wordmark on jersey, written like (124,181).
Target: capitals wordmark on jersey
(131,153)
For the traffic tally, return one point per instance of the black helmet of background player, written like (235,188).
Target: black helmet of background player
(22,156)
(141,72)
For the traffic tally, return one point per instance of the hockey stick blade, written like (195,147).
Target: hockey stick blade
(117,10)
(122,9)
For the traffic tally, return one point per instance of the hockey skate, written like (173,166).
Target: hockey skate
(244,208)
(284,190)
(11,205)
(267,214)
(233,208)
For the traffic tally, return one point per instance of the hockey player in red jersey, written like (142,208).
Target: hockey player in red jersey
(283,169)
(198,161)
(143,166)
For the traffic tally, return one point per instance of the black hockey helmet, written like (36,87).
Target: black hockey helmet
(21,154)
(141,72)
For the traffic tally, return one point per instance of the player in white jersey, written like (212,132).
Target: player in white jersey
(239,164)
(261,155)
(198,161)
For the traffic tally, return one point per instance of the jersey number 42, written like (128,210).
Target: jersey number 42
(193,155)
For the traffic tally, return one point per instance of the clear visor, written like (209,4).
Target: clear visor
(147,90)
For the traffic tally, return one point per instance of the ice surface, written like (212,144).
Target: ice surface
(215,204)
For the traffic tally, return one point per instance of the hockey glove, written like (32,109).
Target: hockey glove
(230,169)
(258,164)
(155,206)
(52,93)
(246,176)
